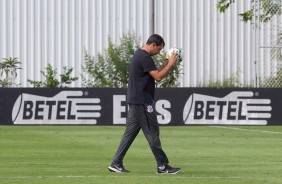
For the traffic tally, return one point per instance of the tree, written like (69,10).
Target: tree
(268,9)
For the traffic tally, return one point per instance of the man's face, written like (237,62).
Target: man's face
(157,49)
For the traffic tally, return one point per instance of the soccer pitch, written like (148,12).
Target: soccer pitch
(81,154)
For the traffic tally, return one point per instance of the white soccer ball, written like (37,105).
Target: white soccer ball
(178,51)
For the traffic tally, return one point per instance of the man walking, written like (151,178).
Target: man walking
(140,97)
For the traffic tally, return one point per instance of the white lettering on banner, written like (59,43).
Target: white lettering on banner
(238,107)
(67,107)
(165,116)
(118,109)
(161,106)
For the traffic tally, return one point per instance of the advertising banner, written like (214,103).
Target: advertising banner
(107,106)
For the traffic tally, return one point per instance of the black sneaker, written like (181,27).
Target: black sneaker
(168,170)
(117,168)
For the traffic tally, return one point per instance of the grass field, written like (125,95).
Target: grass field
(81,154)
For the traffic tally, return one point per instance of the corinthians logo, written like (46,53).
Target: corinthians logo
(67,107)
(238,107)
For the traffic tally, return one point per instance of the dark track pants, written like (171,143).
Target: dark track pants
(141,117)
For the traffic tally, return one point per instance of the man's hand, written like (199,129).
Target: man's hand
(159,74)
(172,58)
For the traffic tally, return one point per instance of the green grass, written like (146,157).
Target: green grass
(81,154)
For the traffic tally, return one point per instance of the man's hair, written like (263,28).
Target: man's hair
(157,39)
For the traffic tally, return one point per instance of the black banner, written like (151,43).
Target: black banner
(107,106)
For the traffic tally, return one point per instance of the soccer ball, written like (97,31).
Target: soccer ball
(179,53)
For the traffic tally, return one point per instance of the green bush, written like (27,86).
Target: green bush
(8,69)
(111,69)
(51,80)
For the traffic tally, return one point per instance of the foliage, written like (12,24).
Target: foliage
(273,81)
(8,68)
(223,5)
(51,80)
(231,82)
(276,52)
(268,8)
(111,69)
(171,80)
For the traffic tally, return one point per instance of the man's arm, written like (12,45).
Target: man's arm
(162,72)
(163,65)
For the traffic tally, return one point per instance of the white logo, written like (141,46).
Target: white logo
(150,109)
(67,107)
(238,107)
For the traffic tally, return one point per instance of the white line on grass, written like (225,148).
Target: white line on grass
(128,176)
(248,130)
